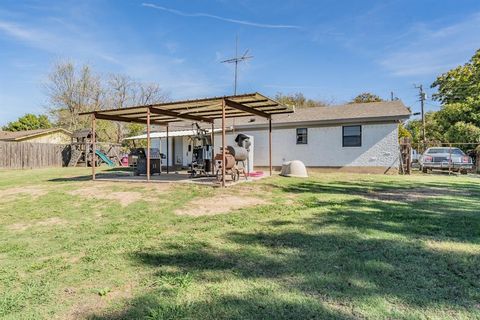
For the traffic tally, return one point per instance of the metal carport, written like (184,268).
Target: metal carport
(201,110)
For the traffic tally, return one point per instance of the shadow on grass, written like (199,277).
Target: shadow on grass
(340,259)
(119,169)
(362,187)
(71,179)
(111,173)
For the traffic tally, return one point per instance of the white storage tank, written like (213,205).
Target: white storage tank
(294,168)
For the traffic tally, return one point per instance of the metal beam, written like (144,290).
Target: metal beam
(184,116)
(270,145)
(124,119)
(223,143)
(168,148)
(148,145)
(210,113)
(212,135)
(238,106)
(94,139)
(232,113)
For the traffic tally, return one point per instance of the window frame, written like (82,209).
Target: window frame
(360,136)
(305,134)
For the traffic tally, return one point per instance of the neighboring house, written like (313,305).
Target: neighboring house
(353,137)
(52,135)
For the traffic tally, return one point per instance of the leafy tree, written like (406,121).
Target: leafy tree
(298,100)
(134,129)
(366,97)
(450,114)
(29,122)
(403,132)
(460,83)
(463,132)
(432,128)
(458,120)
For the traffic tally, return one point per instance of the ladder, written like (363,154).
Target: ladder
(75,156)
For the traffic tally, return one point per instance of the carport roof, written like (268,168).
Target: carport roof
(201,110)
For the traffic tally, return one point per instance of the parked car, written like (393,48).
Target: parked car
(445,158)
(414,156)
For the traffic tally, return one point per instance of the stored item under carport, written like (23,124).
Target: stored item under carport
(201,147)
(139,161)
(235,159)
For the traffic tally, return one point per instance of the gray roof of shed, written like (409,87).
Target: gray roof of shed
(26,134)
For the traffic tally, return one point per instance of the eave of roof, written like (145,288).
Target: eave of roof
(28,134)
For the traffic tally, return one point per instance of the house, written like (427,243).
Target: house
(51,135)
(352,137)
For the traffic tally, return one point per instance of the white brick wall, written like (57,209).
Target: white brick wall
(324,149)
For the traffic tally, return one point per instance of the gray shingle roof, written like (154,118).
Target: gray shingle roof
(331,115)
(361,112)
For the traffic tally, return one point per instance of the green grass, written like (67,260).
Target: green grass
(326,247)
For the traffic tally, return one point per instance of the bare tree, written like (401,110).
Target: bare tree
(124,92)
(121,91)
(121,94)
(150,93)
(71,92)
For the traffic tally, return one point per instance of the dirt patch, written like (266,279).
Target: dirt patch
(42,223)
(412,194)
(290,199)
(218,205)
(99,192)
(94,304)
(34,192)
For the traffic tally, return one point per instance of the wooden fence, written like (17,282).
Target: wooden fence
(26,155)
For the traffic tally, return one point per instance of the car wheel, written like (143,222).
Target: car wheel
(424,170)
(463,171)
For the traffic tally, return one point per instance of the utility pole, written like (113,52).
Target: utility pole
(236,60)
(422,104)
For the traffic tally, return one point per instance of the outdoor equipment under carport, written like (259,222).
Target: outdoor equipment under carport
(201,110)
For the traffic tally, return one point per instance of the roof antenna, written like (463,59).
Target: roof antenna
(236,60)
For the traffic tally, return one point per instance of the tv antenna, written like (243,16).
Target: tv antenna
(236,60)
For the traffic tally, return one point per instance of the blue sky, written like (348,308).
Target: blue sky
(328,50)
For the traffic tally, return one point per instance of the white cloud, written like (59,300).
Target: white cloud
(211,16)
(51,39)
(79,44)
(433,51)
(25,34)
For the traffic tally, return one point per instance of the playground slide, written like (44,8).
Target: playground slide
(105,158)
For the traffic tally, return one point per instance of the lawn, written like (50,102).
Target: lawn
(331,246)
